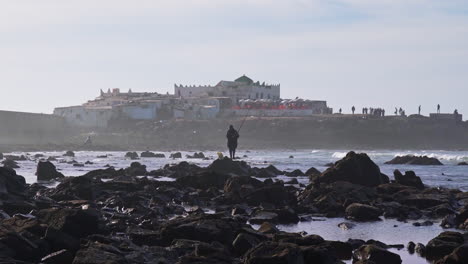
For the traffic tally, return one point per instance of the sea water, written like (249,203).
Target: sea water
(389,231)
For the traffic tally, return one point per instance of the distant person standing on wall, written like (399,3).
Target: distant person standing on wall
(419,110)
(340,111)
(232,136)
(438,108)
(353,109)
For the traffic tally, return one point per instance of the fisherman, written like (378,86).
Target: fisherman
(438,108)
(419,110)
(232,136)
(340,111)
(353,109)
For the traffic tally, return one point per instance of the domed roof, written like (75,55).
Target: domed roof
(244,79)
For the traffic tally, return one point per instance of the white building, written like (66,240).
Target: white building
(241,88)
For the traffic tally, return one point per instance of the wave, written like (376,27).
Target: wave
(440,156)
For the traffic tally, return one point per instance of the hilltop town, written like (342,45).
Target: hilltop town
(196,117)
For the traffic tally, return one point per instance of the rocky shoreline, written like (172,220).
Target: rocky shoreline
(205,215)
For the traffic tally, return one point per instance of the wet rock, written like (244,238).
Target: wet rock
(420,249)
(74,188)
(354,168)
(268,228)
(244,242)
(182,169)
(230,167)
(292,181)
(136,169)
(409,179)
(16,158)
(131,155)
(10,183)
(346,225)
(75,222)
(60,257)
(263,216)
(149,154)
(268,172)
(69,153)
(414,160)
(443,245)
(411,247)
(458,256)
(274,252)
(176,155)
(204,180)
(196,155)
(425,223)
(46,171)
(377,255)
(363,212)
(9,163)
(312,172)
(1,156)
(463,163)
(295,173)
(97,253)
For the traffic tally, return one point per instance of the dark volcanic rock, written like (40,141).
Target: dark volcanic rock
(131,155)
(409,179)
(176,155)
(136,169)
(414,160)
(74,188)
(182,169)
(69,154)
(230,167)
(9,163)
(443,245)
(10,183)
(46,171)
(463,163)
(378,255)
(75,222)
(196,155)
(274,252)
(354,168)
(363,212)
(458,256)
(149,154)
(204,180)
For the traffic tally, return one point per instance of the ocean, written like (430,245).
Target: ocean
(388,231)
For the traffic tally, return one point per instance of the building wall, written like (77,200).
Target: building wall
(272,112)
(140,112)
(84,116)
(31,128)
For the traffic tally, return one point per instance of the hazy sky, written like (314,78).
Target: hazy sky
(364,52)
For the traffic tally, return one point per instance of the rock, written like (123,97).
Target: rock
(230,167)
(75,222)
(268,228)
(262,217)
(196,155)
(443,245)
(182,169)
(98,253)
(420,249)
(16,158)
(1,156)
(46,171)
(346,225)
(204,180)
(74,188)
(136,169)
(458,256)
(411,246)
(149,154)
(131,155)
(414,160)
(362,212)
(409,179)
(176,155)
(295,173)
(425,223)
(378,255)
(463,163)
(354,168)
(59,257)
(244,242)
(292,181)
(10,183)
(69,154)
(9,163)
(268,172)
(274,252)
(312,172)
(38,155)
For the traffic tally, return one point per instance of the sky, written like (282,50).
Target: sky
(386,53)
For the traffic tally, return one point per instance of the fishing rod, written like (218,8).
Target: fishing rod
(243,121)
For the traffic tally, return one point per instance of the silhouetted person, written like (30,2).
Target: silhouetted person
(340,110)
(353,109)
(455,112)
(419,110)
(232,136)
(396,111)
(438,108)
(88,141)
